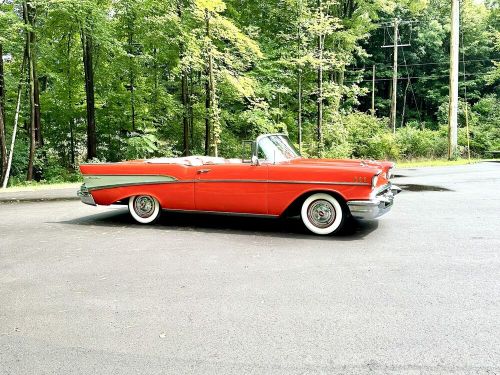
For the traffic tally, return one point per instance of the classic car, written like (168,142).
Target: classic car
(274,181)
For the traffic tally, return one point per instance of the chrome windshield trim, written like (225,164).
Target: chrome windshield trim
(261,137)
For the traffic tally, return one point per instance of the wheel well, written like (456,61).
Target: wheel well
(294,208)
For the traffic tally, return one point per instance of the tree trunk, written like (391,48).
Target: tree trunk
(132,99)
(87,46)
(299,114)
(2,83)
(184,89)
(30,19)
(3,140)
(132,53)
(32,126)
(185,109)
(36,94)
(211,80)
(3,145)
(319,124)
(190,109)
(71,121)
(211,119)
(207,117)
(155,76)
(299,77)
(16,120)
(208,103)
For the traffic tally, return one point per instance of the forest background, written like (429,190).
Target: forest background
(108,80)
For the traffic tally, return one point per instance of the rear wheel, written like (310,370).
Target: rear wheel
(322,214)
(145,209)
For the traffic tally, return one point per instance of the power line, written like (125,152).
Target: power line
(416,77)
(423,64)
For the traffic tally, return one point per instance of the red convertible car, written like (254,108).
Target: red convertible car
(275,181)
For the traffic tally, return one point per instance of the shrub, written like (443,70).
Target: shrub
(369,137)
(336,138)
(485,126)
(417,143)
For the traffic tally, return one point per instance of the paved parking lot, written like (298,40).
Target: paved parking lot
(84,290)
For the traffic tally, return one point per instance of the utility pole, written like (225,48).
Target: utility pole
(453,104)
(394,77)
(395,24)
(373,90)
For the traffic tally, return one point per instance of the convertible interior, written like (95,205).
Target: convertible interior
(194,161)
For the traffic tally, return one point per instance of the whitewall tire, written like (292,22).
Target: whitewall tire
(145,209)
(322,214)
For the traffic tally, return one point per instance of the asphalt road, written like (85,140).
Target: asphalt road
(83,290)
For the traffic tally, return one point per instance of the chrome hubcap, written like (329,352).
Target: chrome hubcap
(321,213)
(144,206)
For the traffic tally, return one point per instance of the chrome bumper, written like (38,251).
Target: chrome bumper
(375,207)
(85,196)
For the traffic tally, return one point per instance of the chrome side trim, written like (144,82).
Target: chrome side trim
(96,182)
(285,182)
(224,213)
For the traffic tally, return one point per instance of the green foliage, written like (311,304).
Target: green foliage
(485,128)
(337,139)
(417,143)
(151,62)
(369,137)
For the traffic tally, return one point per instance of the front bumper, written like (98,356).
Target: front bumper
(379,205)
(86,196)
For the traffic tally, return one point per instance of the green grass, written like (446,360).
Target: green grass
(41,186)
(435,163)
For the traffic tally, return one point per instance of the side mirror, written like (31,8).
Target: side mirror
(255,160)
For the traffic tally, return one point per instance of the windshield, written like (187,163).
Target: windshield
(276,148)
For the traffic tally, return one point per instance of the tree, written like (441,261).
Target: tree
(29,15)
(141,78)
(228,52)
(87,39)
(3,140)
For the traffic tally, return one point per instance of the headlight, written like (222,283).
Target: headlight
(390,173)
(375,179)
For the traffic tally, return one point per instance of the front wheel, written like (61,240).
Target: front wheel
(322,214)
(145,209)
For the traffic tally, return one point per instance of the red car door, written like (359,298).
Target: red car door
(239,188)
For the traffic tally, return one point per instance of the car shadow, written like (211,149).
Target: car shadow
(237,225)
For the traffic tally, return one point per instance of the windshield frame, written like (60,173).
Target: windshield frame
(278,148)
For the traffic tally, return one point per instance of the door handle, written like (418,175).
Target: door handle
(200,171)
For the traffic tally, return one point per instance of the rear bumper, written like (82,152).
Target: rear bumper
(86,196)
(375,207)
